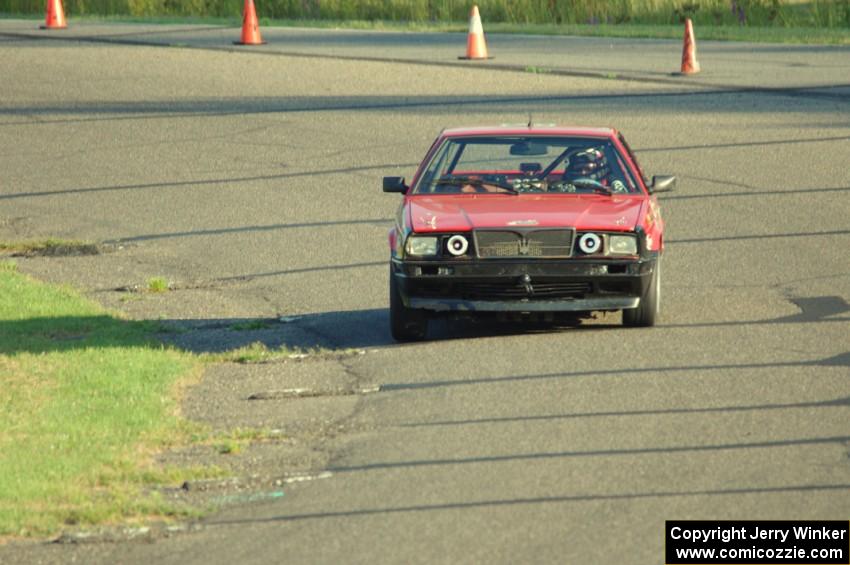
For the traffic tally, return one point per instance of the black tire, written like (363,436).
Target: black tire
(646,313)
(406,324)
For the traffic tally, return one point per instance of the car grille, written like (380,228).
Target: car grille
(539,243)
(502,290)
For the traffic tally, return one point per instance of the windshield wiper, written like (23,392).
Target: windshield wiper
(591,185)
(461,181)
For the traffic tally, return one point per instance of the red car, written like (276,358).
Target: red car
(529,220)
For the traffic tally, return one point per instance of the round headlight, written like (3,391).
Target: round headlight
(590,243)
(458,245)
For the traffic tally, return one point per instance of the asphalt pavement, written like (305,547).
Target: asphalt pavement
(251,178)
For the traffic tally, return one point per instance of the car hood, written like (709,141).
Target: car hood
(466,212)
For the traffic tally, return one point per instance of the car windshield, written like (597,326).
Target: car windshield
(519,164)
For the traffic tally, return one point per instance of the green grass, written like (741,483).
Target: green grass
(256,352)
(757,34)
(804,31)
(801,35)
(50,246)
(157,284)
(85,399)
(234,441)
(784,13)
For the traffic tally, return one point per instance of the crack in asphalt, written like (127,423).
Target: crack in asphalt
(840,360)
(840,440)
(827,488)
(843,402)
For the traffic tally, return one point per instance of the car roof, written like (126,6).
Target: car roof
(506,130)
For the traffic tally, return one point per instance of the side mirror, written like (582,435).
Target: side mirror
(662,183)
(395,184)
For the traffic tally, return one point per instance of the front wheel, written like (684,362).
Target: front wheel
(406,324)
(647,311)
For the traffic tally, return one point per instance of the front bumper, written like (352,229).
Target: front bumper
(565,285)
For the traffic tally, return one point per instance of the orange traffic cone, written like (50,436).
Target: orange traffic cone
(476,47)
(54,17)
(250,26)
(690,65)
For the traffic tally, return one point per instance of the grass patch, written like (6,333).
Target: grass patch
(229,447)
(157,284)
(795,35)
(236,434)
(49,247)
(85,400)
(762,13)
(804,34)
(234,441)
(807,29)
(257,352)
(755,34)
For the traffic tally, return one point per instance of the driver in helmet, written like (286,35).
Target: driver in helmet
(592,164)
